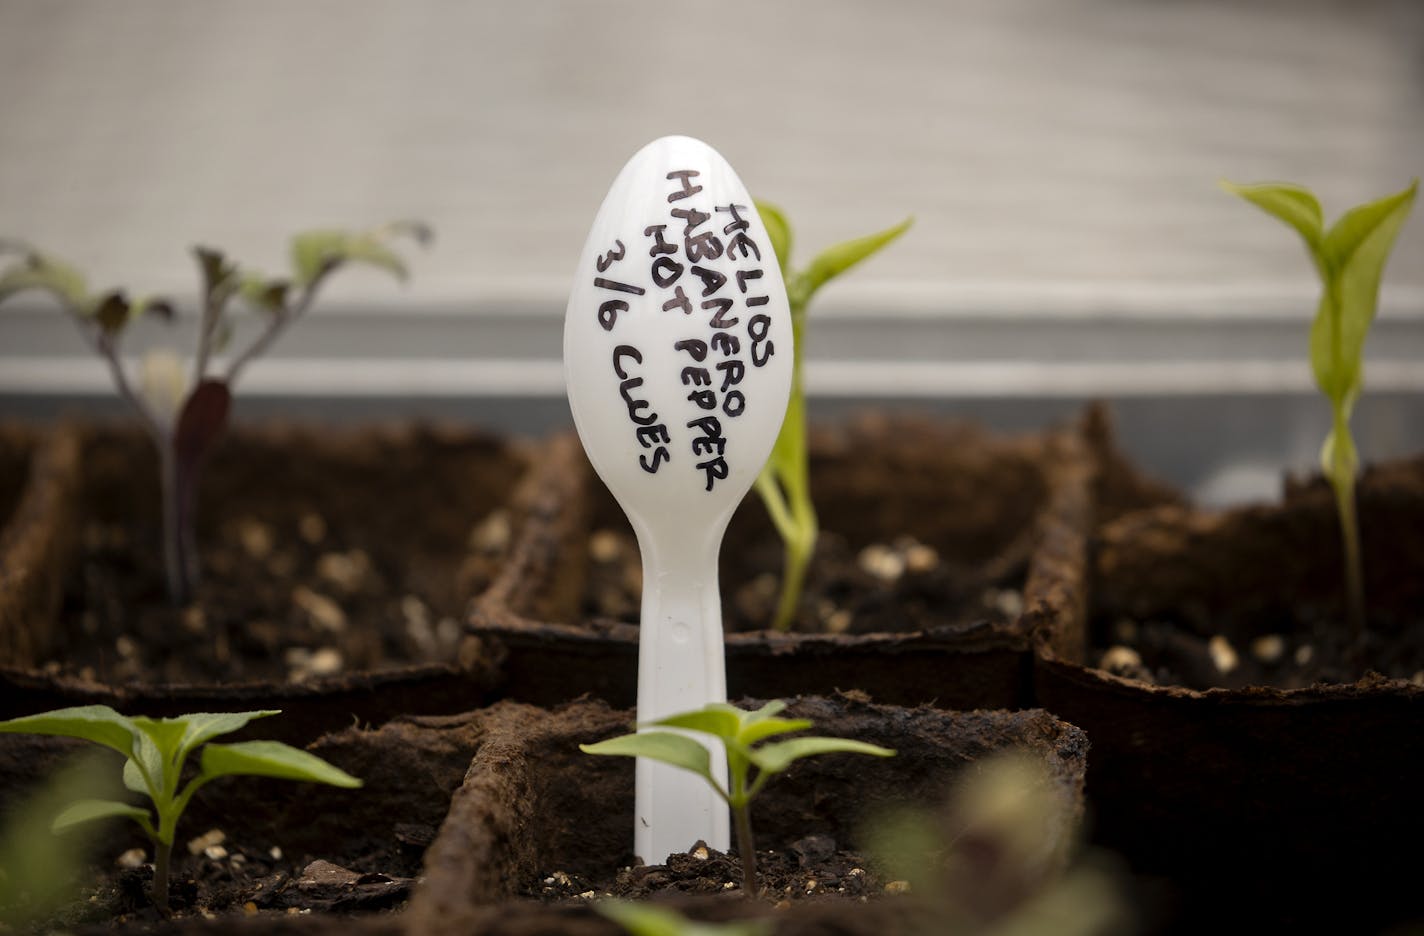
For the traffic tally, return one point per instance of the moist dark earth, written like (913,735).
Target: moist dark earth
(1254,596)
(811,868)
(321,553)
(923,525)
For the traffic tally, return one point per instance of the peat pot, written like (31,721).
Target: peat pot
(1245,746)
(336,565)
(271,856)
(915,593)
(537,820)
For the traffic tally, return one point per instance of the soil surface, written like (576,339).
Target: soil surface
(884,587)
(812,868)
(267,848)
(536,817)
(245,879)
(923,525)
(1253,596)
(321,553)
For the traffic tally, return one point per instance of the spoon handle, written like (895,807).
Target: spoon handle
(681,666)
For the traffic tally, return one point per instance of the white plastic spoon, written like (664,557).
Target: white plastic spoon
(677,357)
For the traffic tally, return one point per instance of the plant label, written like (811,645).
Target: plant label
(678,358)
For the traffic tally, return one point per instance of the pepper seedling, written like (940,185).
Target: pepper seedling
(742,734)
(183,413)
(784,483)
(155,751)
(1350,258)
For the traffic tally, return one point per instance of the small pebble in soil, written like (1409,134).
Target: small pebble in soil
(920,558)
(325,613)
(897,887)
(492,534)
(1304,654)
(1007,602)
(1223,655)
(1120,660)
(194,620)
(415,612)
(133,858)
(303,663)
(603,546)
(1269,648)
(198,844)
(125,647)
(215,852)
(275,853)
(345,570)
(255,537)
(312,527)
(838,622)
(881,562)
(249,908)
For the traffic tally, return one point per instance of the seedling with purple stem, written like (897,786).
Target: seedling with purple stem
(155,751)
(185,414)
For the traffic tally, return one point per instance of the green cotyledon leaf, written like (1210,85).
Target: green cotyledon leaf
(97,723)
(774,758)
(271,759)
(662,746)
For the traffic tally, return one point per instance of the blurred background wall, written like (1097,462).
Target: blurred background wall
(1060,158)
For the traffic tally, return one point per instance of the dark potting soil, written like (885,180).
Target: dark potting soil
(811,868)
(1309,648)
(228,878)
(900,586)
(251,847)
(1253,597)
(321,553)
(923,525)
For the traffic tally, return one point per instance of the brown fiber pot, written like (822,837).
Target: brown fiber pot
(91,512)
(532,802)
(1294,803)
(978,500)
(410,768)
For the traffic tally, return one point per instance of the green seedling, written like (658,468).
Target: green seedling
(641,919)
(1350,258)
(183,410)
(742,734)
(155,751)
(784,483)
